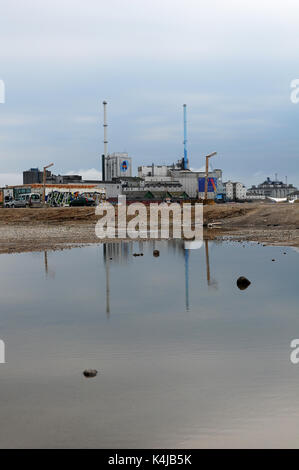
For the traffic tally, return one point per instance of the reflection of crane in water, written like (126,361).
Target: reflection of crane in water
(187,278)
(48,272)
(117,252)
(211,282)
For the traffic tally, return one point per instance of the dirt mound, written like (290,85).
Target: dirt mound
(51,215)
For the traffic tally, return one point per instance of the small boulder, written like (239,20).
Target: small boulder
(243,283)
(90,373)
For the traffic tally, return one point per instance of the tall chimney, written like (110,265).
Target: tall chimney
(105,125)
(105,155)
(186,165)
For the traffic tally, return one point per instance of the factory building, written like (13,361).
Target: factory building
(151,184)
(158,171)
(177,177)
(156,196)
(35,176)
(116,165)
(269,188)
(193,182)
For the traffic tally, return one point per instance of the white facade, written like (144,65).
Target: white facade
(235,191)
(153,171)
(118,165)
(158,170)
(269,188)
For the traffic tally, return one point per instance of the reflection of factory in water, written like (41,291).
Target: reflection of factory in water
(117,252)
(122,253)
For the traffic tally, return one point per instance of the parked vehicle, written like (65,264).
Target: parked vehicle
(35,200)
(82,201)
(25,200)
(8,202)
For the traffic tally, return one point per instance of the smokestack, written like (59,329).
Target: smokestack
(104,156)
(186,165)
(103,168)
(105,125)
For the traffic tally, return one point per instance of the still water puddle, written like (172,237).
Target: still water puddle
(184,358)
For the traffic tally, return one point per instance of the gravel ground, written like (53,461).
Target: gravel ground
(53,229)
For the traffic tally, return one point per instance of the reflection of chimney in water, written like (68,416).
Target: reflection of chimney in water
(46,262)
(207,262)
(107,265)
(49,272)
(187,278)
(108,287)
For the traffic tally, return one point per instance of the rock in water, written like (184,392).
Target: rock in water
(243,283)
(90,373)
(156,253)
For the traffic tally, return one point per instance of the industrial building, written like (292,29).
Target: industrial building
(158,171)
(156,196)
(35,176)
(269,188)
(192,182)
(116,165)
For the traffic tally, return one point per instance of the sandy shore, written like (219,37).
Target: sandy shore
(58,228)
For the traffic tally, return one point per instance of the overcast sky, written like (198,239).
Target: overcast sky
(231,62)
